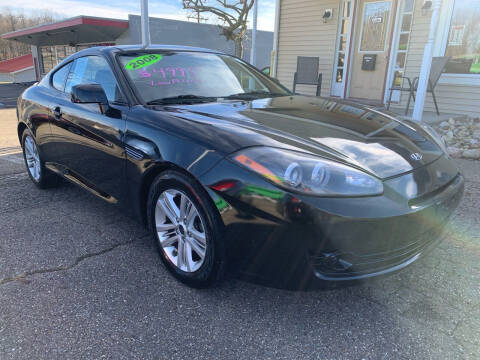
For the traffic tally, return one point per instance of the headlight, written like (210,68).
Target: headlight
(307,174)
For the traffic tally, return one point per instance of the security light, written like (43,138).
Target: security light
(427,5)
(327,15)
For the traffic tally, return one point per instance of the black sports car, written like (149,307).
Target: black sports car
(225,165)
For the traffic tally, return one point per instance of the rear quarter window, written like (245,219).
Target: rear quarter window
(60,77)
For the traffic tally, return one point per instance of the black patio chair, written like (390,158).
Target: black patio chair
(307,73)
(438,67)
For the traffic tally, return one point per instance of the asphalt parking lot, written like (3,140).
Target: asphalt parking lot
(79,279)
(9,94)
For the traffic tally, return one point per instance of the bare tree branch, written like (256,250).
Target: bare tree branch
(233,14)
(11,21)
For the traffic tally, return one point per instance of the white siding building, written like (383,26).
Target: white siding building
(394,32)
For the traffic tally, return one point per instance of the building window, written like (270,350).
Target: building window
(342,40)
(53,55)
(463,41)
(342,48)
(406,18)
(375,22)
(48,58)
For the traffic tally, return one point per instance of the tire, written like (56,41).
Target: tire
(38,173)
(198,234)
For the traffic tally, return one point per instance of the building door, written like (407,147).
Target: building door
(371,48)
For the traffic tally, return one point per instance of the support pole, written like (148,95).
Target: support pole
(273,65)
(36,62)
(145,25)
(253,51)
(426,63)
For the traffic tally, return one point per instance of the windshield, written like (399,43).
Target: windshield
(167,74)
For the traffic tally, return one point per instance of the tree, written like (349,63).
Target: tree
(233,14)
(11,21)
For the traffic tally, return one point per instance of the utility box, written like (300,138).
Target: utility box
(369,61)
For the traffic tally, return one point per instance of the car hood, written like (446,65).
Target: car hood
(374,141)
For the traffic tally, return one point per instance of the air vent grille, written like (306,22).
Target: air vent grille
(133,153)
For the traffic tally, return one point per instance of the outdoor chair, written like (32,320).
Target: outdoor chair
(436,70)
(307,73)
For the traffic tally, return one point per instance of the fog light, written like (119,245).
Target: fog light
(332,262)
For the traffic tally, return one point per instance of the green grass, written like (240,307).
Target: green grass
(475,68)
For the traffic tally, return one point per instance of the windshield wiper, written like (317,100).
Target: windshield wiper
(182,99)
(253,95)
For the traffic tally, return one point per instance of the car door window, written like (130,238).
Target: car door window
(60,76)
(94,70)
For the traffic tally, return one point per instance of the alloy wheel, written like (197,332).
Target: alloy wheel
(181,231)
(32,158)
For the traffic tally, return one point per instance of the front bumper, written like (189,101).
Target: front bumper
(282,237)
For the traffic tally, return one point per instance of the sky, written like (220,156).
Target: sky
(171,9)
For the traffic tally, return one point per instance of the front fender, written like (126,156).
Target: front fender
(147,156)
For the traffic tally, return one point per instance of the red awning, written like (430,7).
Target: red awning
(15,64)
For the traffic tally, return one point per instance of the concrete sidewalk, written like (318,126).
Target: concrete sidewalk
(430,117)
(9,94)
(9,143)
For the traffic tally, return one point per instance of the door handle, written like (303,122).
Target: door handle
(57,112)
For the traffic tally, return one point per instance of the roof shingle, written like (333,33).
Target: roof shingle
(15,64)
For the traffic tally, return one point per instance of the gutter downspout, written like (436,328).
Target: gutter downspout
(426,63)
(36,63)
(276,37)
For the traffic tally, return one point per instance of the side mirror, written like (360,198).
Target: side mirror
(90,94)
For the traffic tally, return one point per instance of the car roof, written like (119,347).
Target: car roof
(164,47)
(132,48)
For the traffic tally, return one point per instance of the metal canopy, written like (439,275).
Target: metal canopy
(73,31)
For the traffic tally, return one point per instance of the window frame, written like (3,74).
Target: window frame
(72,67)
(440,46)
(400,11)
(69,64)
